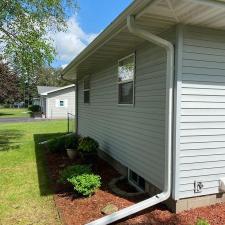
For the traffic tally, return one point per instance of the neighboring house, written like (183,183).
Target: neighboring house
(36,101)
(140,104)
(57,102)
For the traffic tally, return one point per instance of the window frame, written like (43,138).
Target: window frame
(63,101)
(126,81)
(87,89)
(136,184)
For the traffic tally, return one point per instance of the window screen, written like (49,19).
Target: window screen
(126,71)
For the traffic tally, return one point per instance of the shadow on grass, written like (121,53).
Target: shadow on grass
(7,139)
(41,162)
(5,114)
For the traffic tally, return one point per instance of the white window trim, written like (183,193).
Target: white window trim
(88,89)
(127,81)
(133,183)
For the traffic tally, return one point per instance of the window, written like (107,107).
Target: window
(136,180)
(86,90)
(61,103)
(126,71)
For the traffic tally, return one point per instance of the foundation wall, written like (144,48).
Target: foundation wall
(173,205)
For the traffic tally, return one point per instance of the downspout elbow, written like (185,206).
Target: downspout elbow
(168,148)
(147,35)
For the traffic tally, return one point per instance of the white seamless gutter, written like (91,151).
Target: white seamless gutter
(168,132)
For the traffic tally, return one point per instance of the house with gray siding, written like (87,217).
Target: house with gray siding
(57,102)
(151,90)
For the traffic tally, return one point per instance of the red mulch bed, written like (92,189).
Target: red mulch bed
(76,210)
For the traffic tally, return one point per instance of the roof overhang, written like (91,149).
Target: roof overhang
(58,89)
(156,16)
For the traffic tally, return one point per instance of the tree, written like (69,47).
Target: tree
(9,91)
(24,25)
(24,29)
(49,76)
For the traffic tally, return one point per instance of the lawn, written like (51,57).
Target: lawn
(25,196)
(10,113)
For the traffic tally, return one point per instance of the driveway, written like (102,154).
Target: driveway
(20,119)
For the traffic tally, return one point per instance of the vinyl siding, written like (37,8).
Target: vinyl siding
(54,112)
(133,135)
(202,114)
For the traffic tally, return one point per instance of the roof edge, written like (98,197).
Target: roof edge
(135,7)
(58,89)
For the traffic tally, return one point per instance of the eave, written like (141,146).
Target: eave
(116,41)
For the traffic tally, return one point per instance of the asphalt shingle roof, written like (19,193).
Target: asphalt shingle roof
(43,89)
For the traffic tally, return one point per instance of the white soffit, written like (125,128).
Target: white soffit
(207,13)
(157,18)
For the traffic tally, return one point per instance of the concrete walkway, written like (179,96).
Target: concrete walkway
(20,119)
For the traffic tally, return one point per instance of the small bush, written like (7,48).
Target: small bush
(202,222)
(71,141)
(34,108)
(85,184)
(72,171)
(7,106)
(87,145)
(57,144)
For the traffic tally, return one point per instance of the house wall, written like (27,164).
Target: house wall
(54,111)
(133,135)
(202,111)
(43,104)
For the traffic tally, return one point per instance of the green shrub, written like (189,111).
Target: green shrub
(71,141)
(7,106)
(202,222)
(85,184)
(57,144)
(72,171)
(34,108)
(88,145)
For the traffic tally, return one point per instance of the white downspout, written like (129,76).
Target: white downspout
(168,133)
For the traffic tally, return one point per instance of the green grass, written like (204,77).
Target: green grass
(10,113)
(25,196)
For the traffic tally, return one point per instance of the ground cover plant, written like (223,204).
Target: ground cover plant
(202,222)
(25,193)
(87,145)
(81,177)
(85,184)
(71,141)
(76,210)
(61,143)
(74,170)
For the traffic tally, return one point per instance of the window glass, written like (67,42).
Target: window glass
(133,176)
(61,103)
(86,84)
(86,96)
(137,180)
(141,183)
(87,90)
(126,93)
(126,69)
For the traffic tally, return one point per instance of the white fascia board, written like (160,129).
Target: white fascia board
(58,89)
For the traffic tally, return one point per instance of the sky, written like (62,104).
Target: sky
(92,17)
